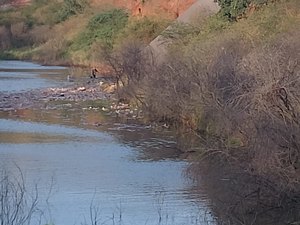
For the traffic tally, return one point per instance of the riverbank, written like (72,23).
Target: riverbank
(93,94)
(94,97)
(77,157)
(234,86)
(41,97)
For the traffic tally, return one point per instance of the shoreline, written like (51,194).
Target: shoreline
(101,90)
(98,89)
(37,98)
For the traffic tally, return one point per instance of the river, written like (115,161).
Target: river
(131,173)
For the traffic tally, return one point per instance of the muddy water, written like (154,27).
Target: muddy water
(78,156)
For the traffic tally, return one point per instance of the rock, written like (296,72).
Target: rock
(110,88)
(81,89)
(104,109)
(97,124)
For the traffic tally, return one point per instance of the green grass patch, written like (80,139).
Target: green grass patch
(143,29)
(7,56)
(103,27)
(18,53)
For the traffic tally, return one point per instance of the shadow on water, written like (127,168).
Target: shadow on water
(129,168)
(126,160)
(240,199)
(150,145)
(145,179)
(233,196)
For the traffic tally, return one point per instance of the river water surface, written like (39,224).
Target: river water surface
(132,174)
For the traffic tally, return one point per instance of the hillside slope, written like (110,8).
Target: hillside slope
(28,32)
(203,8)
(170,8)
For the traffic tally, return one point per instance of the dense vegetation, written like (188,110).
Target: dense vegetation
(236,87)
(236,8)
(70,31)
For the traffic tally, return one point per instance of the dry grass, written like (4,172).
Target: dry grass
(237,88)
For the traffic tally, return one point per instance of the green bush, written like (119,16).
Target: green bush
(71,8)
(28,12)
(54,12)
(234,8)
(143,30)
(103,27)
(6,56)
(106,24)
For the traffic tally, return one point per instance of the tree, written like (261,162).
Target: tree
(17,206)
(71,8)
(234,8)
(6,35)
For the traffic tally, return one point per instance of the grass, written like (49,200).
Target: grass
(143,29)
(7,56)
(51,31)
(103,27)
(18,53)
(84,31)
(225,76)
(259,27)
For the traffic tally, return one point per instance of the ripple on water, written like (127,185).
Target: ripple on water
(16,76)
(87,165)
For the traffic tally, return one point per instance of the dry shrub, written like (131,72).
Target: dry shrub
(129,65)
(242,101)
(5,37)
(168,91)
(40,34)
(189,86)
(52,51)
(250,102)
(21,35)
(275,111)
(17,205)
(253,98)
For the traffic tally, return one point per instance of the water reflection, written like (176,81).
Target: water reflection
(87,163)
(150,145)
(84,154)
(16,76)
(21,65)
(237,198)
(18,138)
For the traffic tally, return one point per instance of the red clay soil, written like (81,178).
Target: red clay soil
(20,2)
(162,8)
